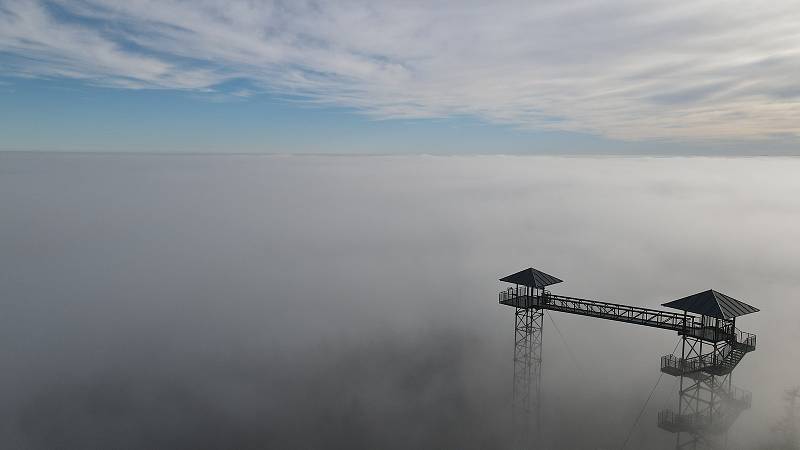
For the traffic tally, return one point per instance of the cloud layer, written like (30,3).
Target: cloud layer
(629,69)
(250,302)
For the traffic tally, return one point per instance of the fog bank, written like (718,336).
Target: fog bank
(351,302)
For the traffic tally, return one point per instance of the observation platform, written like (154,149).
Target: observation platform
(732,404)
(719,362)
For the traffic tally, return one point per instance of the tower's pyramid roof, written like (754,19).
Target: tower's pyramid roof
(712,303)
(531,277)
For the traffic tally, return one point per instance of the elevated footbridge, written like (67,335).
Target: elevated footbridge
(683,323)
(711,348)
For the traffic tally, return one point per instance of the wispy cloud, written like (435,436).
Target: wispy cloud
(705,69)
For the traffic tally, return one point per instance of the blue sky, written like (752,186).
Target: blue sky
(652,77)
(67,115)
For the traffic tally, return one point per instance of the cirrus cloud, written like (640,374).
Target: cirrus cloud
(652,69)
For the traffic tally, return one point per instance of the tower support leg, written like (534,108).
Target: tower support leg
(699,403)
(526,404)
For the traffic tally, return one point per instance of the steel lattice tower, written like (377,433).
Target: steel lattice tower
(527,384)
(708,403)
(527,387)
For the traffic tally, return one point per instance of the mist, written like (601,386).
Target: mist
(249,302)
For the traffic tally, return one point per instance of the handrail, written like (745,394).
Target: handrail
(743,337)
(739,395)
(721,419)
(606,310)
(698,420)
(685,365)
(709,359)
(508,295)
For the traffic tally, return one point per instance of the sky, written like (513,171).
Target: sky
(565,77)
(251,302)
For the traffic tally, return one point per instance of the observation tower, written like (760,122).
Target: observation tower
(711,347)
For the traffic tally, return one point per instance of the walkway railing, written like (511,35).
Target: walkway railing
(745,339)
(680,365)
(593,308)
(687,324)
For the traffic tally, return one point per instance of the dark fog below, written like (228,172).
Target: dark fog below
(250,302)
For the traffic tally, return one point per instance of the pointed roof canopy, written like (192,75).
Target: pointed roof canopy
(713,304)
(531,277)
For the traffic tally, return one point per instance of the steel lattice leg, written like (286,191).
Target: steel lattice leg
(526,409)
(699,402)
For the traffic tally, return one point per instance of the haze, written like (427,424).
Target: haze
(221,302)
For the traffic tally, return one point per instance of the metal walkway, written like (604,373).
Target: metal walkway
(685,324)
